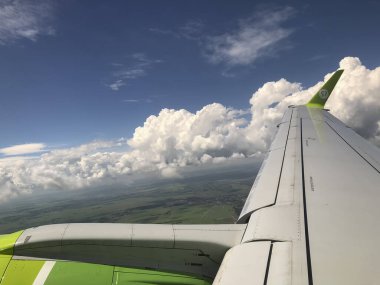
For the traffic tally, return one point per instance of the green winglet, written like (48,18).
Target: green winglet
(320,98)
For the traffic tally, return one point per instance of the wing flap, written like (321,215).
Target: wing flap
(280,266)
(265,188)
(244,264)
(257,263)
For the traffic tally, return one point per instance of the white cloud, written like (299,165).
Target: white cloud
(170,172)
(23,149)
(123,73)
(357,99)
(116,85)
(255,37)
(176,138)
(22,19)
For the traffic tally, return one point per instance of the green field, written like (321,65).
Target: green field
(212,197)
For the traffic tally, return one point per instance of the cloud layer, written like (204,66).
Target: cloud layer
(22,19)
(176,138)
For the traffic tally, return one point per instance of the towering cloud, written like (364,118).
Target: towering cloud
(176,138)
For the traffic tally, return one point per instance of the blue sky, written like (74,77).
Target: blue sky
(56,80)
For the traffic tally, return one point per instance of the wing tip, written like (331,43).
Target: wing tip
(320,98)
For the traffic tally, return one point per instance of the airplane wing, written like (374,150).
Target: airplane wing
(313,211)
(310,218)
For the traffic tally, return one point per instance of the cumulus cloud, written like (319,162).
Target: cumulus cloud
(23,149)
(22,19)
(255,37)
(357,98)
(176,138)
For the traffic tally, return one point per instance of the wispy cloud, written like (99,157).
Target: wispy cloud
(131,100)
(146,100)
(22,19)
(163,31)
(116,85)
(125,72)
(23,149)
(317,57)
(191,30)
(254,38)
